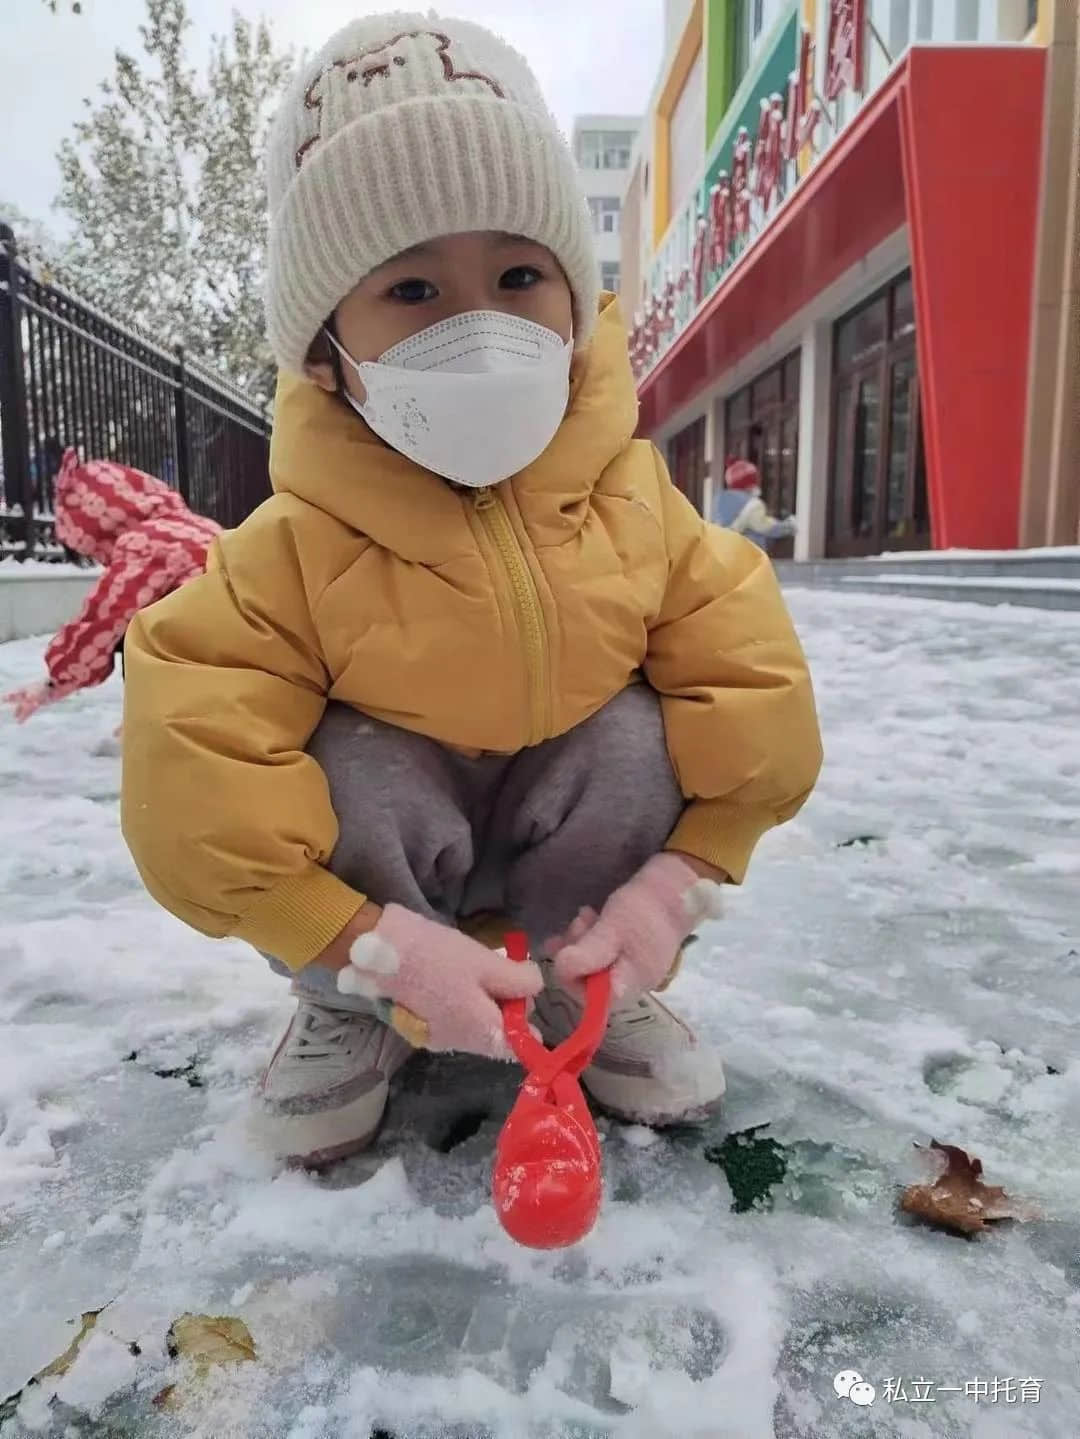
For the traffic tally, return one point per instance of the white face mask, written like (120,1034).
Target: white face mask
(474,398)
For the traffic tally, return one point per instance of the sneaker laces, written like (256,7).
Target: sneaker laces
(629,1014)
(625,1014)
(320,1031)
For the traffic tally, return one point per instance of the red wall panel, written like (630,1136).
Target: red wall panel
(972,132)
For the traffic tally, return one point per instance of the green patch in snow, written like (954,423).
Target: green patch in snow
(753,1165)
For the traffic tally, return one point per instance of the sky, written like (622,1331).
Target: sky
(589,55)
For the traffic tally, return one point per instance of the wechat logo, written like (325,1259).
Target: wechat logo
(849,1384)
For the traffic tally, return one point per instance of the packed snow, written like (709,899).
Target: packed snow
(13,569)
(903,963)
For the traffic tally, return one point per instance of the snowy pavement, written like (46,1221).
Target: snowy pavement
(903,963)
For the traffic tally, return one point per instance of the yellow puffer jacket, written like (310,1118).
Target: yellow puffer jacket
(489,620)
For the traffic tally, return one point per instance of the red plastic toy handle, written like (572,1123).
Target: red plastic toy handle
(575,1052)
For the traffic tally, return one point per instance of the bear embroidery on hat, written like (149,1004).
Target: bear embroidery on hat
(374,65)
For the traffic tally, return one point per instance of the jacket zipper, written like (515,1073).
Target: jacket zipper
(527,607)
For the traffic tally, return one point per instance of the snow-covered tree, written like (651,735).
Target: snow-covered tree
(31,236)
(244,80)
(163,184)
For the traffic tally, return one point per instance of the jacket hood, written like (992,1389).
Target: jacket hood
(95,503)
(323,453)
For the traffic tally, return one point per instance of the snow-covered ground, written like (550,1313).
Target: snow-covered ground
(923,981)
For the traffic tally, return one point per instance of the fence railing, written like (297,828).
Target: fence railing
(71,375)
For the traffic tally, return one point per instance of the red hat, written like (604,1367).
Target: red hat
(742,475)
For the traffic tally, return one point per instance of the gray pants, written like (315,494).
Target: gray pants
(532,836)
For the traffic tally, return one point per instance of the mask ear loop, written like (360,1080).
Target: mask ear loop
(335,358)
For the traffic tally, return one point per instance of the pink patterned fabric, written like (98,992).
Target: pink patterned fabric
(149,542)
(638,932)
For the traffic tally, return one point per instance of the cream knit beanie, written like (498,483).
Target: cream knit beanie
(403,128)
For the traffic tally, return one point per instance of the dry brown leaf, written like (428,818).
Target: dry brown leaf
(164,1398)
(63,1363)
(958,1200)
(210,1339)
(59,1366)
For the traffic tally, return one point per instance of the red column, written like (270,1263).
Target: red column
(971,130)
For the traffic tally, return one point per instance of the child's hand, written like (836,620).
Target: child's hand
(445,988)
(577,929)
(26,702)
(640,929)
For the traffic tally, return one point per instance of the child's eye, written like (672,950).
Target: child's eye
(413,292)
(520,277)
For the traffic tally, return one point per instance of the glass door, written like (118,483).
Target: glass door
(687,454)
(877,476)
(906,510)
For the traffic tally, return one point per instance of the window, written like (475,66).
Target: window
(617,147)
(686,458)
(877,477)
(605,211)
(1032,13)
(740,44)
(924,20)
(903,303)
(747,21)
(899,27)
(605,149)
(761,423)
(609,276)
(862,332)
(967,19)
(589,149)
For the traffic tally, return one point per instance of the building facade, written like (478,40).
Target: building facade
(603,145)
(855,263)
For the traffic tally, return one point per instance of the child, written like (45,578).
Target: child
(739,506)
(477,663)
(149,542)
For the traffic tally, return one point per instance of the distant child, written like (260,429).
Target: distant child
(739,506)
(149,542)
(477,663)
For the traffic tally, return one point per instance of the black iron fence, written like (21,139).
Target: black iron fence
(70,375)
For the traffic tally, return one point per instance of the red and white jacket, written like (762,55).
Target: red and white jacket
(149,542)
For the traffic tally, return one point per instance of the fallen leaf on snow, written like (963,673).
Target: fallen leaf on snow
(59,1366)
(62,1364)
(959,1200)
(210,1339)
(163,1399)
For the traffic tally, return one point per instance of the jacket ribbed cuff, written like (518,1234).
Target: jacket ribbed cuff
(721,833)
(300,916)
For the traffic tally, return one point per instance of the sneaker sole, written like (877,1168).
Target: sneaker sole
(316,1139)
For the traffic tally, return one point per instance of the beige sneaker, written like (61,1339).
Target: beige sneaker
(650,1068)
(324,1092)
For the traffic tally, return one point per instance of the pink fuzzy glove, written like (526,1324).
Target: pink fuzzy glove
(435,986)
(640,930)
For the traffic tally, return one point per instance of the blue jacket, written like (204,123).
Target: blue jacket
(729,510)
